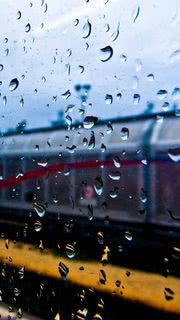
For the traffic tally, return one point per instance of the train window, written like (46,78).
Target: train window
(89,159)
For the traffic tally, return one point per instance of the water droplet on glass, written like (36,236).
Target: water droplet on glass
(21,273)
(144,161)
(98,186)
(135,82)
(76,22)
(115,175)
(7,243)
(91,143)
(6,52)
(128,235)
(165,106)
(135,13)
(162,94)
(114,192)
(16,292)
(118,283)
(176,94)
(97,316)
(86,29)
(100,237)
(21,102)
(27,27)
(107,27)
(63,270)
(45,8)
(70,251)
(1,67)
(123,58)
(136,98)
(116,162)
(109,128)
(106,53)
(150,77)
(18,16)
(71,149)
(43,163)
(4,100)
(102,277)
(124,133)
(103,147)
(82,314)
(40,209)
(138,65)
(81,68)
(14,83)
(175,56)
(115,34)
(108,99)
(68,121)
(37,226)
(143,196)
(119,96)
(66,94)
(89,122)
(174,154)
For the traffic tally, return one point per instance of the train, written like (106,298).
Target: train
(126,170)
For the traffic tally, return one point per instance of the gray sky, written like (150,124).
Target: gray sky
(150,41)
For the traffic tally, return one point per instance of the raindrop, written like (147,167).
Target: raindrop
(174,154)
(86,29)
(6,52)
(175,56)
(68,69)
(107,27)
(69,52)
(89,122)
(102,277)
(118,283)
(144,161)
(106,53)
(70,251)
(103,147)
(128,235)
(40,209)
(108,99)
(176,94)
(43,79)
(43,163)
(135,14)
(69,108)
(1,67)
(92,142)
(116,162)
(135,82)
(87,46)
(165,106)
(37,226)
(81,68)
(5,40)
(4,100)
(138,65)
(136,98)
(98,186)
(18,16)
(71,149)
(82,314)
(21,273)
(97,316)
(150,77)
(66,94)
(115,175)
(100,237)
(14,83)
(162,94)
(123,58)
(143,196)
(63,270)
(7,243)
(27,27)
(124,133)
(21,102)
(119,96)
(45,8)
(16,292)
(76,22)
(90,212)
(69,121)
(168,293)
(109,128)
(114,192)
(115,34)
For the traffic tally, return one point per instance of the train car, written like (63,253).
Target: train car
(126,171)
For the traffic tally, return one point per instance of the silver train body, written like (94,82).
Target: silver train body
(137,180)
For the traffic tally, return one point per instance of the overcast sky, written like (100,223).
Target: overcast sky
(59,51)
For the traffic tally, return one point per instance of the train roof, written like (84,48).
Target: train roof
(127,134)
